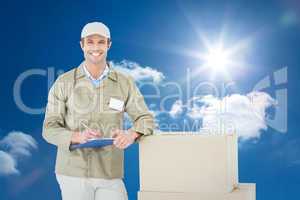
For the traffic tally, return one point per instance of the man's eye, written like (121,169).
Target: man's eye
(101,42)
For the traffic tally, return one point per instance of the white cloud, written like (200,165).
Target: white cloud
(176,109)
(14,146)
(8,164)
(197,109)
(138,72)
(244,114)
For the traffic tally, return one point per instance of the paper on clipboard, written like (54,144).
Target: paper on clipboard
(93,143)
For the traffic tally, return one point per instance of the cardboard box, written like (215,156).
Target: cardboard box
(242,192)
(188,162)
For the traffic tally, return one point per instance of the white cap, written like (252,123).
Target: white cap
(95,28)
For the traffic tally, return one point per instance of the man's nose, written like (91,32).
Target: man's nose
(95,47)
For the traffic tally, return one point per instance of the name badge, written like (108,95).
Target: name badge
(116,104)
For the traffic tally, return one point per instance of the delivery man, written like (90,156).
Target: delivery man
(89,102)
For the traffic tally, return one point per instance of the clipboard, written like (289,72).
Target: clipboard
(93,143)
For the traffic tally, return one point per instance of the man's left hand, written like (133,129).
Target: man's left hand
(123,139)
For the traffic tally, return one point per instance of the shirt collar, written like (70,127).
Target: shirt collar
(112,74)
(102,76)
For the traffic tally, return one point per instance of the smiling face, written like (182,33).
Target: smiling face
(95,48)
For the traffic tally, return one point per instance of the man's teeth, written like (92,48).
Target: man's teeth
(96,54)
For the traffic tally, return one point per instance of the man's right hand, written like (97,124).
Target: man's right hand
(82,137)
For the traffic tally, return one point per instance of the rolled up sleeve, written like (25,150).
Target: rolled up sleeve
(136,108)
(54,130)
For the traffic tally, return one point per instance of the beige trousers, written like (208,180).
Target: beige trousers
(77,188)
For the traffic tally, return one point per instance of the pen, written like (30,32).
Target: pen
(107,138)
(85,126)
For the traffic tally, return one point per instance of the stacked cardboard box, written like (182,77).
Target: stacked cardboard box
(188,166)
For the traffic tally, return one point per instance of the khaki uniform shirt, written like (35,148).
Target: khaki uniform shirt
(73,100)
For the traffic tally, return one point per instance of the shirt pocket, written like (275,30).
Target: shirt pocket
(112,104)
(110,117)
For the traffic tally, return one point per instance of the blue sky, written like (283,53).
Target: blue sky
(159,35)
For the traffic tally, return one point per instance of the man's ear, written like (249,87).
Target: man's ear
(109,45)
(81,43)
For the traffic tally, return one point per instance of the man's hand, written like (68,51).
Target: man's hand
(123,139)
(82,137)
